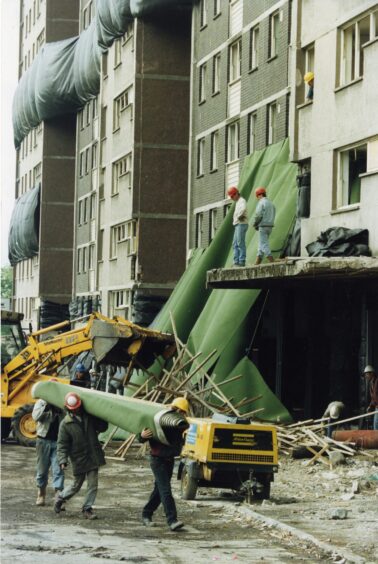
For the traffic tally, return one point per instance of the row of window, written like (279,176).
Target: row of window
(25,306)
(235,58)
(90,111)
(24,270)
(122,103)
(215,218)
(29,142)
(29,57)
(86,209)
(121,174)
(232,145)
(118,45)
(31,16)
(29,180)
(85,258)
(87,15)
(124,233)
(120,303)
(88,159)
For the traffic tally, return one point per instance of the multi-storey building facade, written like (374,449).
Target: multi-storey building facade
(45,159)
(131,176)
(239,100)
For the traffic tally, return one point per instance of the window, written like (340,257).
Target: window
(85,210)
(122,169)
(203,13)
(353,38)
(120,300)
(91,249)
(84,259)
(88,113)
(81,164)
(120,104)
(236,16)
(123,233)
(40,41)
(309,67)
(199,229)
(86,167)
(100,245)
(216,73)
(202,83)
(37,173)
(212,223)
(94,108)
(92,206)
(117,52)
(252,127)
(94,156)
(87,15)
(254,48)
(104,61)
(352,163)
(200,156)
(217,8)
(235,61)
(214,151)
(272,123)
(79,260)
(232,142)
(274,22)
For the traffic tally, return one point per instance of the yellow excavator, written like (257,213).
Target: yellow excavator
(112,341)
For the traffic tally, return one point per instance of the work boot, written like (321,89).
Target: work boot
(176,525)
(58,505)
(147,522)
(270,258)
(57,496)
(41,496)
(258,260)
(88,514)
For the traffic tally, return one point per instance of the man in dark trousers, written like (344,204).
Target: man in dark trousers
(48,418)
(162,459)
(263,223)
(78,441)
(372,382)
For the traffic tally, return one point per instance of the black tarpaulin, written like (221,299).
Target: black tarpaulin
(23,240)
(340,241)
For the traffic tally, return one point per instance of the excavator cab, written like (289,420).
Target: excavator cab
(12,337)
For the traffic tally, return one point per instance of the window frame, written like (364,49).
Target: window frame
(254,44)
(274,19)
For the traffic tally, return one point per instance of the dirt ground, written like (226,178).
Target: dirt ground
(218,526)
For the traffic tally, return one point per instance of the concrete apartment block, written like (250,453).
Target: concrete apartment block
(46,157)
(240,99)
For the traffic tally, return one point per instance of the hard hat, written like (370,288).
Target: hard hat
(181,403)
(260,191)
(80,367)
(334,411)
(369,368)
(308,76)
(232,191)
(72,401)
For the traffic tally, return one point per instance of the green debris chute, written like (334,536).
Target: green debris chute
(217,319)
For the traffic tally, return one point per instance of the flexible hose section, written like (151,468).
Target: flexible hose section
(173,420)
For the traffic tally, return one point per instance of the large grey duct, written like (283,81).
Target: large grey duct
(66,74)
(23,240)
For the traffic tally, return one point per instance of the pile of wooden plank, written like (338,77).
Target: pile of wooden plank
(309,436)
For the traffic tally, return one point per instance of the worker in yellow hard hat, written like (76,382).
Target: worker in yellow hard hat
(162,460)
(309,78)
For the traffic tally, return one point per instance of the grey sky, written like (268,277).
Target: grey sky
(9,62)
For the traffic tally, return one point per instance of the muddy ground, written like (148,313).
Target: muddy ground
(215,527)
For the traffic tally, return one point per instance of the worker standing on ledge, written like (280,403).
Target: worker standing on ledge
(263,223)
(240,223)
(372,381)
(309,80)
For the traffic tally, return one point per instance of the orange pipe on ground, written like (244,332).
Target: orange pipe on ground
(361,438)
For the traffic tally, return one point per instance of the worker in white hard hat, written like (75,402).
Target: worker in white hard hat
(372,383)
(162,459)
(334,412)
(78,442)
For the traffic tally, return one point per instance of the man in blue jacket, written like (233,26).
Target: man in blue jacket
(263,223)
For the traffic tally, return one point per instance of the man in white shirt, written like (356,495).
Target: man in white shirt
(240,222)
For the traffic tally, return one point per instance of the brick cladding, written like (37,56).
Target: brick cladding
(270,77)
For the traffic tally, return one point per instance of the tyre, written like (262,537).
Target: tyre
(24,427)
(189,485)
(5,428)
(262,493)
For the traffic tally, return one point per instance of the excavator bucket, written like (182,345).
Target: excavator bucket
(120,341)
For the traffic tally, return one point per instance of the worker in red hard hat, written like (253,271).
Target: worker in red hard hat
(263,222)
(78,441)
(240,223)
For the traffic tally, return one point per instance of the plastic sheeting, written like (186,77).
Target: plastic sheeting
(66,74)
(340,242)
(218,319)
(24,227)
